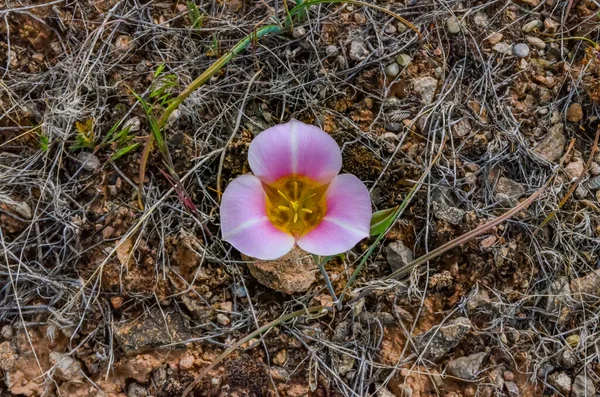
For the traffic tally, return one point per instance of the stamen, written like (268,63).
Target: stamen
(283,195)
(307,210)
(295,217)
(283,208)
(295,190)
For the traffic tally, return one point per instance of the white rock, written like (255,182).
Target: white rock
(89,161)
(453,25)
(503,48)
(425,87)
(358,51)
(392,70)
(521,50)
(535,42)
(532,25)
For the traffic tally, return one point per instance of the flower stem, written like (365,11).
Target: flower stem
(321,262)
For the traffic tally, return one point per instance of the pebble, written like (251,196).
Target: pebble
(392,70)
(437,341)
(550,25)
(568,359)
(512,389)
(281,357)
(583,386)
(495,38)
(402,27)
(508,190)
(360,18)
(403,59)
(357,51)
(561,382)
(136,390)
(124,43)
(466,367)
(480,19)
(116,302)
(574,113)
(90,161)
(398,255)
(186,362)
(535,42)
(223,319)
(298,32)
(502,48)
(508,376)
(21,208)
(393,127)
(453,25)
(425,87)
(331,51)
(7,332)
(521,50)
(595,169)
(390,29)
(532,25)
(551,146)
(574,169)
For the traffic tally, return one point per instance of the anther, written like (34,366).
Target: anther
(283,195)
(295,190)
(283,208)
(306,210)
(295,217)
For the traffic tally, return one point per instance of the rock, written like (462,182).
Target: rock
(20,207)
(532,25)
(223,320)
(403,59)
(398,255)
(583,386)
(445,212)
(331,51)
(390,29)
(152,331)
(480,19)
(595,169)
(66,367)
(508,376)
(124,43)
(7,332)
(521,50)
(453,25)
(383,391)
(568,359)
(401,27)
(574,113)
(438,341)
(512,389)
(138,368)
(298,32)
(508,190)
(89,161)
(550,25)
(467,367)
(8,357)
(479,299)
(425,87)
(502,48)
(462,128)
(393,127)
(136,390)
(552,144)
(357,51)
(574,169)
(532,3)
(495,38)
(392,70)
(186,362)
(116,302)
(294,272)
(360,18)
(561,382)
(586,288)
(278,373)
(535,42)
(281,357)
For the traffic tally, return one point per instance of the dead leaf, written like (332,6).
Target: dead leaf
(124,251)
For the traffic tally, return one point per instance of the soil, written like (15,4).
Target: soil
(100,297)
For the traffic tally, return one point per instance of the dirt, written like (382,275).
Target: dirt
(102,297)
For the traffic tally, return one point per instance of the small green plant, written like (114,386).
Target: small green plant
(163,86)
(196,17)
(85,137)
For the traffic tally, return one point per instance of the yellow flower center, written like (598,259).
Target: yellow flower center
(295,204)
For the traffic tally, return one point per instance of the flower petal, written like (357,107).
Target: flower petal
(347,220)
(295,148)
(244,221)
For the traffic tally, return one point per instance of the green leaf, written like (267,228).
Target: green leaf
(382,220)
(123,151)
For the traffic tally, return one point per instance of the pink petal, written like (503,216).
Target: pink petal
(347,220)
(295,148)
(244,221)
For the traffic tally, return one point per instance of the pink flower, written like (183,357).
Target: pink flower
(295,197)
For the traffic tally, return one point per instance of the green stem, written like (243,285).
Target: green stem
(321,262)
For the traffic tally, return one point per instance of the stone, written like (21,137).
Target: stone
(331,51)
(502,48)
(586,288)
(550,25)
(89,161)
(390,29)
(532,3)
(155,329)
(66,367)
(8,357)
(360,18)
(7,332)
(223,320)
(124,43)
(583,386)
(20,207)
(535,42)
(392,70)
(568,358)
(462,128)
(116,302)
(595,169)
(512,389)
(450,214)
(480,19)
(453,25)
(532,25)
(393,127)
(280,358)
(467,367)
(403,59)
(508,190)
(495,38)
(561,382)
(398,255)
(574,113)
(357,51)
(298,32)
(401,27)
(480,299)
(292,273)
(574,169)
(521,50)
(552,144)
(136,390)
(425,87)
(436,342)
(186,362)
